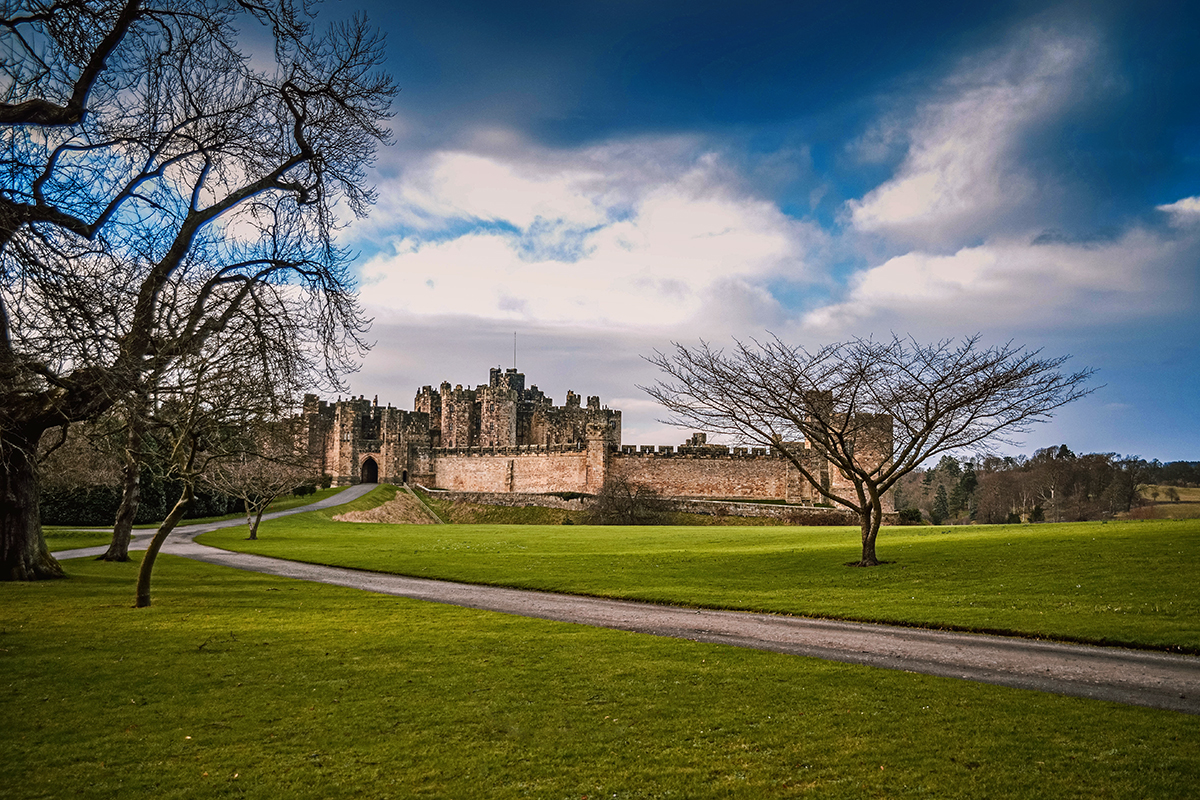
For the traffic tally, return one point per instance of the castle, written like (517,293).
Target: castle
(504,437)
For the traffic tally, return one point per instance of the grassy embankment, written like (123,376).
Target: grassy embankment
(464,513)
(242,685)
(1128,582)
(68,538)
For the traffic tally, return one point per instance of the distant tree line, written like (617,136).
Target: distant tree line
(1054,485)
(1175,473)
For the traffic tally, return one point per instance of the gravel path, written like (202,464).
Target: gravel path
(1156,680)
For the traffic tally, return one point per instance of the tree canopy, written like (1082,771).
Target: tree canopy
(873,409)
(164,185)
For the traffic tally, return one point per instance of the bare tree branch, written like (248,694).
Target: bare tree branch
(162,192)
(874,410)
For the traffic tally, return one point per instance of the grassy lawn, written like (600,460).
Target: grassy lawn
(67,538)
(1130,582)
(1186,507)
(241,685)
(70,538)
(1187,494)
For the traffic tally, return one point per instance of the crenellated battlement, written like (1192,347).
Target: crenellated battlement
(511,450)
(684,451)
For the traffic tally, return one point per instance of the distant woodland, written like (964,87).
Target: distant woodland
(1054,485)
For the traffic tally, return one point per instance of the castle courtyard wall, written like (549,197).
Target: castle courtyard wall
(676,475)
(491,471)
(542,470)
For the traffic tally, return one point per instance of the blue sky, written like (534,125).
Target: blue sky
(605,178)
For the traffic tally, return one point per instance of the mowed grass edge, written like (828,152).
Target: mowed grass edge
(1121,583)
(237,684)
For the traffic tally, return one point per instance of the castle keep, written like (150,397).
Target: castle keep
(506,437)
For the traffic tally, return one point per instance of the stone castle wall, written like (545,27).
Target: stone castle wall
(554,470)
(713,474)
(752,477)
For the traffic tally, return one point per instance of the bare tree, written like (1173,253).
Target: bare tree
(623,502)
(159,185)
(873,410)
(81,456)
(266,465)
(204,413)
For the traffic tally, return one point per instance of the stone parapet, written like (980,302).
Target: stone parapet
(683,451)
(511,450)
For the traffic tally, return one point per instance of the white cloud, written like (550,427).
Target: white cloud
(629,234)
(1012,285)
(960,170)
(1183,212)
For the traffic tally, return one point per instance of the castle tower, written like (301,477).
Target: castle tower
(598,456)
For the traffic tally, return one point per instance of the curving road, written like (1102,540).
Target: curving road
(1136,677)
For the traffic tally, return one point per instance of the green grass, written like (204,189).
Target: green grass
(242,685)
(1187,494)
(477,513)
(70,538)
(1116,583)
(67,538)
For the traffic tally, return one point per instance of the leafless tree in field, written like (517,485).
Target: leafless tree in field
(267,464)
(211,410)
(622,502)
(874,409)
(161,183)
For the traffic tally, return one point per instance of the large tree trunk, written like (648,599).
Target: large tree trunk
(23,552)
(131,495)
(164,530)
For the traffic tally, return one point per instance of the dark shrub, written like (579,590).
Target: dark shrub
(620,502)
(818,516)
(94,506)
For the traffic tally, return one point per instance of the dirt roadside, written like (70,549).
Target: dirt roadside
(402,509)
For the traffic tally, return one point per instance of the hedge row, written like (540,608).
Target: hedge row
(96,506)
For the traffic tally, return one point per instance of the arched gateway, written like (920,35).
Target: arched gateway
(370,471)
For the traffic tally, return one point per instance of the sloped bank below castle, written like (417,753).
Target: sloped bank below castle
(783,512)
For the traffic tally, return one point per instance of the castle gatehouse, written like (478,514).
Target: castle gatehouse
(506,437)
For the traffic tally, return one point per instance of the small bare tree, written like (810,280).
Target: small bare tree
(623,502)
(266,465)
(205,412)
(874,410)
